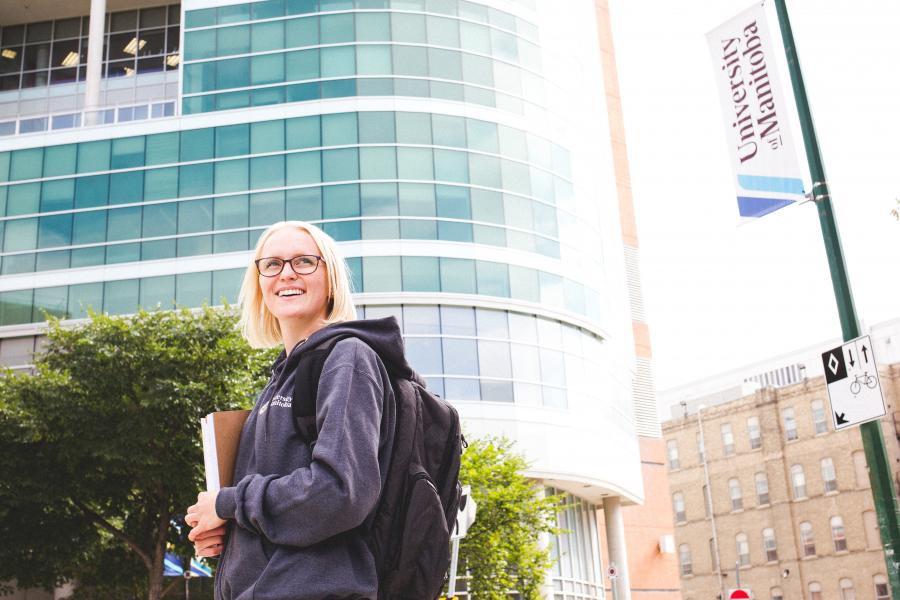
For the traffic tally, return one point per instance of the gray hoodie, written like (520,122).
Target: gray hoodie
(296,511)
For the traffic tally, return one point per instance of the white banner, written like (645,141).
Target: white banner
(763,157)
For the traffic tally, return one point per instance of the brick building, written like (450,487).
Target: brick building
(792,509)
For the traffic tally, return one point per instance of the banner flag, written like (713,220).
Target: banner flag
(763,156)
(172,566)
(198,569)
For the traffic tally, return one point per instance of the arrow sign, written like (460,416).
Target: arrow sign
(853,387)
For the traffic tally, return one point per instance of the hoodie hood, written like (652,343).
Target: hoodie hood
(381,335)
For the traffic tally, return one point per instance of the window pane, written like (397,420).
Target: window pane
(301,32)
(231,176)
(267,136)
(421,319)
(339,129)
(305,167)
(457,275)
(233,73)
(340,165)
(340,201)
(304,204)
(157,291)
(336,29)
(233,40)
(413,128)
(232,140)
(425,355)
(127,152)
(460,356)
(410,61)
(120,297)
(494,359)
(192,289)
(57,195)
(126,187)
(373,60)
(195,180)
(197,144)
(420,274)
(268,68)
(493,278)
(373,27)
(339,61)
(267,171)
(93,156)
(415,163)
(266,36)
(195,216)
(378,163)
(381,274)
(124,224)
(59,160)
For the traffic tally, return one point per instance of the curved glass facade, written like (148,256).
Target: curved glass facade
(458,151)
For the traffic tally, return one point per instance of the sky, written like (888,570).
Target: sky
(720,295)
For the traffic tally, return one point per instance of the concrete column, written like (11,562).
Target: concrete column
(616,549)
(94,60)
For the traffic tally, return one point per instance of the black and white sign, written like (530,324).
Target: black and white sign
(853,386)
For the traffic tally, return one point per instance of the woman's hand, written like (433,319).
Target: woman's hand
(202,516)
(210,543)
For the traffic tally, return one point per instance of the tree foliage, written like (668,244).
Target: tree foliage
(502,550)
(101,445)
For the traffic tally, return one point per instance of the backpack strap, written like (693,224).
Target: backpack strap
(306,386)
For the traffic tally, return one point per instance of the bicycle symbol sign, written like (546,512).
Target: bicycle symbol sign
(853,386)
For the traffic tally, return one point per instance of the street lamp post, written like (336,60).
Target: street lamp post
(708,499)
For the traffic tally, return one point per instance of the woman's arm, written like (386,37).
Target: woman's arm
(342,483)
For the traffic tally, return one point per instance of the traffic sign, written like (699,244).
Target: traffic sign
(739,594)
(853,386)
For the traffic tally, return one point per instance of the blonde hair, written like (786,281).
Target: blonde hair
(259,326)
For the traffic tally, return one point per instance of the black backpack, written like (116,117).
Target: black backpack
(409,531)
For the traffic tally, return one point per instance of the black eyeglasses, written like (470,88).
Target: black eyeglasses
(305,264)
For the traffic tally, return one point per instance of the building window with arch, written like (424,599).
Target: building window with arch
(762,488)
(737,497)
(882,592)
(727,439)
(807,539)
(861,469)
(672,448)
(753,433)
(838,536)
(776,594)
(678,507)
(706,501)
(684,559)
(815,590)
(847,590)
(790,424)
(870,525)
(713,559)
(798,482)
(769,544)
(700,451)
(743,549)
(829,477)
(818,415)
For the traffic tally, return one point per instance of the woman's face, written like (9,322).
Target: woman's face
(309,307)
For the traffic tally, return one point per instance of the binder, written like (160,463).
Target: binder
(221,432)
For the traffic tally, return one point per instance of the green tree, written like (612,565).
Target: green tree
(100,446)
(501,550)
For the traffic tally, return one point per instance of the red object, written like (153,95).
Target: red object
(739,595)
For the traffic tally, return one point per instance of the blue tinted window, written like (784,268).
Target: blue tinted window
(303,132)
(91,191)
(197,144)
(336,29)
(233,73)
(460,356)
(493,278)
(266,208)
(120,297)
(233,140)
(340,201)
(266,136)
(304,167)
(26,164)
(381,274)
(93,156)
(161,183)
(195,216)
(162,148)
(160,219)
(267,36)
(233,40)
(126,187)
(457,275)
(124,224)
(339,129)
(195,180)
(59,160)
(267,171)
(231,212)
(57,195)
(304,204)
(340,165)
(157,291)
(55,230)
(420,274)
(232,176)
(89,227)
(379,199)
(23,199)
(127,152)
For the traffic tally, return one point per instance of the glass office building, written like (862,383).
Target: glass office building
(458,150)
